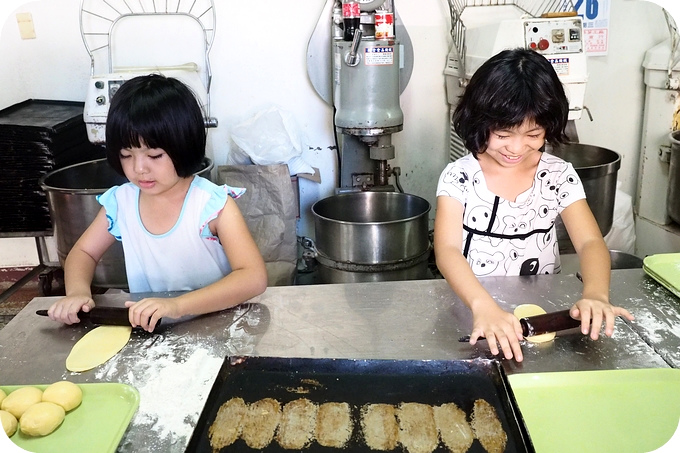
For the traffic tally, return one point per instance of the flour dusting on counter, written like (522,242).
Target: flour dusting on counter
(173,379)
(174,372)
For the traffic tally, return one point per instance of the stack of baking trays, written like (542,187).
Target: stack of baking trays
(36,137)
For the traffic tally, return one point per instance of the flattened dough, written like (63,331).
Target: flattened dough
(97,346)
(379,425)
(453,427)
(334,425)
(487,427)
(227,425)
(298,419)
(525,310)
(260,422)
(417,428)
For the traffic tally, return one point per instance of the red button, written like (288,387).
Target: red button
(532,45)
(543,44)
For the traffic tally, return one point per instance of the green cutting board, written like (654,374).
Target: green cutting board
(665,269)
(618,411)
(96,426)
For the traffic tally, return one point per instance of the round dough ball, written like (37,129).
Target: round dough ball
(526,310)
(21,399)
(64,393)
(41,419)
(9,423)
(3,395)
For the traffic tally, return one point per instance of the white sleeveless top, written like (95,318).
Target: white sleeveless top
(185,258)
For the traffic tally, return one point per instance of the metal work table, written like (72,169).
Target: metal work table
(174,370)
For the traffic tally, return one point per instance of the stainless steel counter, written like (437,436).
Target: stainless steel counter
(174,370)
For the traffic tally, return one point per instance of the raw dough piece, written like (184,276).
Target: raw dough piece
(21,399)
(97,346)
(417,430)
(379,424)
(260,422)
(64,393)
(227,425)
(333,425)
(453,427)
(8,422)
(298,420)
(3,395)
(487,427)
(525,310)
(41,419)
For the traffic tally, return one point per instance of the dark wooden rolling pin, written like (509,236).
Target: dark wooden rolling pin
(112,316)
(540,324)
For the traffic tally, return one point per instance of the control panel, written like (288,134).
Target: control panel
(102,88)
(100,91)
(554,36)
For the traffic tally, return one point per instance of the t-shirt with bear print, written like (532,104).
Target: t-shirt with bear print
(502,237)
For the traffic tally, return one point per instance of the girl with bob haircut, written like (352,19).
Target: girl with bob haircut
(179,231)
(497,206)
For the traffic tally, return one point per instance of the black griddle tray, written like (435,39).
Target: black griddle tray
(360,382)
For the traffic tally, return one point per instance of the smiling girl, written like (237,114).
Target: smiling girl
(497,206)
(179,232)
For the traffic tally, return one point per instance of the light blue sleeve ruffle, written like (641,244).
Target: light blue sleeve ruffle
(110,204)
(218,198)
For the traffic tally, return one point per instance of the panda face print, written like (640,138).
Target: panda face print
(548,181)
(478,218)
(519,225)
(479,186)
(484,263)
(563,190)
(456,177)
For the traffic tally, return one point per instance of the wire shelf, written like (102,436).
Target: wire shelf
(674,58)
(532,8)
(99,17)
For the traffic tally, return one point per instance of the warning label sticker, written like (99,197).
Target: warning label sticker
(561,65)
(375,56)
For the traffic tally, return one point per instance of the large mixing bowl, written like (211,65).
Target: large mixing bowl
(371,236)
(597,167)
(71,195)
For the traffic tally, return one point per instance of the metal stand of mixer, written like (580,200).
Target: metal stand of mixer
(360,63)
(362,74)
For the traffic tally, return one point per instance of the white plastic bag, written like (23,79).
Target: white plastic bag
(270,137)
(621,236)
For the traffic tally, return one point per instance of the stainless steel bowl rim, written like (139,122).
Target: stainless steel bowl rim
(94,190)
(592,170)
(385,222)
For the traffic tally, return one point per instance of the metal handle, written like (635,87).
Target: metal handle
(352,58)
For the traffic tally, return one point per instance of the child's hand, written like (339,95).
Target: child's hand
(147,312)
(498,327)
(593,312)
(66,309)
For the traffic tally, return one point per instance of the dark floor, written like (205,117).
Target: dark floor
(46,282)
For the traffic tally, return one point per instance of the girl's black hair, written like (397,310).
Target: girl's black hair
(511,87)
(159,112)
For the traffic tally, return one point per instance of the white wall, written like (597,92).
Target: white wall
(259,58)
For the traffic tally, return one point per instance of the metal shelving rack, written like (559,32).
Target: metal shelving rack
(99,18)
(532,8)
(673,82)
